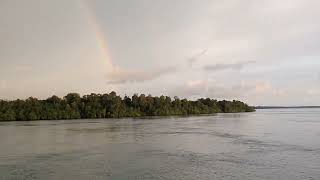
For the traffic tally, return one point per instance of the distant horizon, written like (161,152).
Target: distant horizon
(289,107)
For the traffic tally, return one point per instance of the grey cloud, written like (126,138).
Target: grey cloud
(120,76)
(196,57)
(221,67)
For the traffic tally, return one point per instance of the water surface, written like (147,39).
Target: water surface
(268,144)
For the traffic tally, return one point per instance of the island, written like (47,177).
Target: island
(111,105)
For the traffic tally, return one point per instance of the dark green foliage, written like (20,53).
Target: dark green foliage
(73,106)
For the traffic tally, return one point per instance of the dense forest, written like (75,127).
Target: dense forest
(73,106)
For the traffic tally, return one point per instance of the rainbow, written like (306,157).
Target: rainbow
(100,36)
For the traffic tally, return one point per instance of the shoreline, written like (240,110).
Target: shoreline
(132,117)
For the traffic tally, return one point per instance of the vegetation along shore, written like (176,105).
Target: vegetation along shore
(73,106)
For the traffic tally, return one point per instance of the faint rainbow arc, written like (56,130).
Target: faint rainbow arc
(100,36)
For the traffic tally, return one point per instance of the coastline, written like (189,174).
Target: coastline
(133,117)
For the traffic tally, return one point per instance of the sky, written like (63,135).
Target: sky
(262,52)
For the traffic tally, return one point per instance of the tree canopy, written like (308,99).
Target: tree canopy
(73,106)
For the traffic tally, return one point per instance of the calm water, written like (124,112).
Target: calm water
(267,144)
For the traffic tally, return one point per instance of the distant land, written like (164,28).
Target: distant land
(93,106)
(285,107)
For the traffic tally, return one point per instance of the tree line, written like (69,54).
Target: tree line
(73,106)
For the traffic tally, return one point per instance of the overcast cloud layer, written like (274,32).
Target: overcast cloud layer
(263,52)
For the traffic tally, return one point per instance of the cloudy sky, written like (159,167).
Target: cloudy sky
(263,52)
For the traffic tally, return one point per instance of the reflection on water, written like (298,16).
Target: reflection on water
(267,144)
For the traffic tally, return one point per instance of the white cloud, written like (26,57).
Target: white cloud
(262,87)
(244,90)
(313,92)
(280,92)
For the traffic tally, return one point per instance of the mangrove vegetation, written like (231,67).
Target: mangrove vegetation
(73,106)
